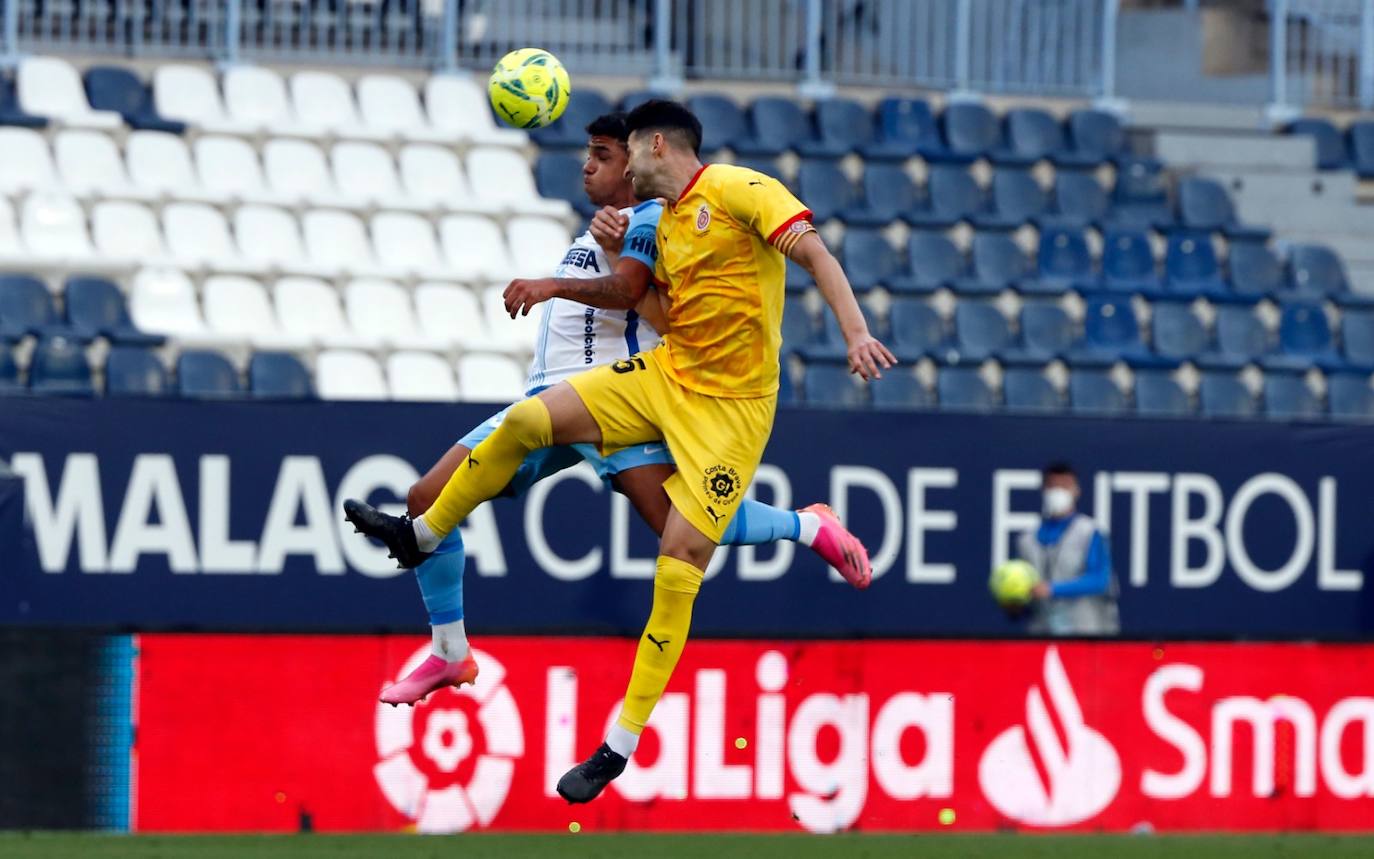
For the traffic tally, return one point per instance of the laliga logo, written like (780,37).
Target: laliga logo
(428,771)
(1081,775)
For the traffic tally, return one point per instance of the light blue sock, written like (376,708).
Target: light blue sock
(441,580)
(757,523)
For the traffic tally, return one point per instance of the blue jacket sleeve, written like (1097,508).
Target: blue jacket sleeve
(1096,577)
(641,239)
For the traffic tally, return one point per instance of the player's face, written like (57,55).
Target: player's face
(603,173)
(641,168)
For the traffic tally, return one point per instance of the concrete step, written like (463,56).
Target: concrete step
(1195,149)
(1296,215)
(1330,188)
(1173,114)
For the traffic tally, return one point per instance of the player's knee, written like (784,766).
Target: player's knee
(418,498)
(682,577)
(529,424)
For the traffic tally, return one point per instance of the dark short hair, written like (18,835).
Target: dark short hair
(669,118)
(1059,469)
(609,125)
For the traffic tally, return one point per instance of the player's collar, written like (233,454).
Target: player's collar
(690,183)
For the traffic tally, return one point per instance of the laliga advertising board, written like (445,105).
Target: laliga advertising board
(819,736)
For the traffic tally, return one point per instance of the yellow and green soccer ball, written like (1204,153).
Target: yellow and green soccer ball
(1011,584)
(529,88)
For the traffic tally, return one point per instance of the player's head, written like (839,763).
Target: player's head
(659,132)
(603,173)
(1059,485)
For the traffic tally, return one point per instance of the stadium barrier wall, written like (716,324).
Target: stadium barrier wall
(752,735)
(226,516)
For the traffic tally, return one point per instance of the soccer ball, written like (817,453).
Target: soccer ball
(529,88)
(1011,583)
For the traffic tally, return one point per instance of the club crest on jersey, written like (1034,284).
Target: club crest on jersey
(703,218)
(722,483)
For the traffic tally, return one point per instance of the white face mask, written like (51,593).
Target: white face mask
(1057,502)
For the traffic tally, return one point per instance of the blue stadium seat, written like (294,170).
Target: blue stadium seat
(1362,148)
(1095,136)
(120,90)
(1027,389)
(831,384)
(1128,262)
(26,307)
(1111,330)
(9,371)
(779,124)
(908,122)
(1240,338)
(280,376)
(951,196)
(59,367)
(1255,271)
(1176,331)
(963,388)
(829,344)
(95,308)
(1329,142)
(723,122)
(133,371)
(1287,397)
(1157,394)
(889,195)
(869,260)
(1224,395)
(10,111)
(1092,392)
(980,331)
(1013,198)
(798,279)
(765,164)
(998,264)
(206,375)
(1046,332)
(569,131)
(900,389)
(787,393)
(848,125)
(1304,338)
(1063,263)
(635,97)
(917,330)
(798,326)
(1350,397)
(968,131)
(1079,200)
(558,176)
(1031,135)
(825,188)
(1205,206)
(1316,271)
(1190,266)
(1357,339)
(1140,198)
(932,262)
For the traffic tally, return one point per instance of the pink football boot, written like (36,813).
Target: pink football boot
(433,674)
(840,549)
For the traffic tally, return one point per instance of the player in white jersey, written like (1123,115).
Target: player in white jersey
(574,337)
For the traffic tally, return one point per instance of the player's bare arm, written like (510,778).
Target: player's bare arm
(622,289)
(867,356)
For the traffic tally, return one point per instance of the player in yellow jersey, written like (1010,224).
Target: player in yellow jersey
(709,390)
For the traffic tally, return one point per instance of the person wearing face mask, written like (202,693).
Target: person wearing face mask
(1077,592)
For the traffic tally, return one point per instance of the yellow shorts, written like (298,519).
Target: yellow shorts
(717,442)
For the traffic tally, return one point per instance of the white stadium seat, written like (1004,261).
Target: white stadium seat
(390,105)
(91,166)
(540,245)
(297,170)
(405,241)
(310,309)
(347,375)
(12,252)
(238,307)
(515,336)
(475,249)
(54,228)
(451,314)
(270,236)
(163,301)
(433,175)
(338,241)
(256,97)
(502,177)
(27,164)
(197,236)
(127,232)
(484,378)
(324,100)
(160,163)
(420,376)
(50,87)
(367,171)
(191,94)
(228,167)
(381,310)
(456,103)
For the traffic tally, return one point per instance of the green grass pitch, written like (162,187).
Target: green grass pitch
(482,846)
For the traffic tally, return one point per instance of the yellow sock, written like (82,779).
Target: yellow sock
(491,465)
(675,587)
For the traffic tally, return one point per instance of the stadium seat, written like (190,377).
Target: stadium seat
(163,301)
(1092,392)
(998,263)
(134,371)
(825,188)
(160,164)
(1288,397)
(452,315)
(1078,201)
(11,250)
(1224,395)
(1128,263)
(1030,135)
(90,166)
(1046,333)
(829,344)
(127,233)
(765,164)
(1362,148)
(26,307)
(190,95)
(1255,271)
(584,105)
(1205,206)
(59,368)
(1027,389)
(844,123)
(255,97)
(889,195)
(1110,331)
(798,327)
(238,308)
(270,237)
(228,168)
(963,389)
(542,244)
(980,331)
(1157,394)
(1139,198)
(27,165)
(10,383)
(486,378)
(342,374)
(278,376)
(558,176)
(296,170)
(1063,263)
(917,330)
(433,175)
(1357,339)
(1240,338)
(723,122)
(1095,136)
(869,260)
(900,389)
(204,375)
(390,105)
(951,196)
(1348,395)
(1304,338)
(635,97)
(458,103)
(338,242)
(95,307)
(1316,271)
(420,376)
(1013,199)
(111,88)
(10,111)
(369,174)
(53,228)
(778,124)
(310,309)
(1331,152)
(516,336)
(382,311)
(831,384)
(932,262)
(502,176)
(1176,331)
(908,122)
(1191,268)
(51,87)
(198,237)
(797,279)
(406,242)
(475,249)
(968,131)
(324,100)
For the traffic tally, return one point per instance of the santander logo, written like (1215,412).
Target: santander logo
(1041,776)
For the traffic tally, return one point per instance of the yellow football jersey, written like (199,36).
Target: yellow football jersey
(721,264)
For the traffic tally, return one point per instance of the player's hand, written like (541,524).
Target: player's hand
(868,357)
(608,228)
(522,295)
(1041,591)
